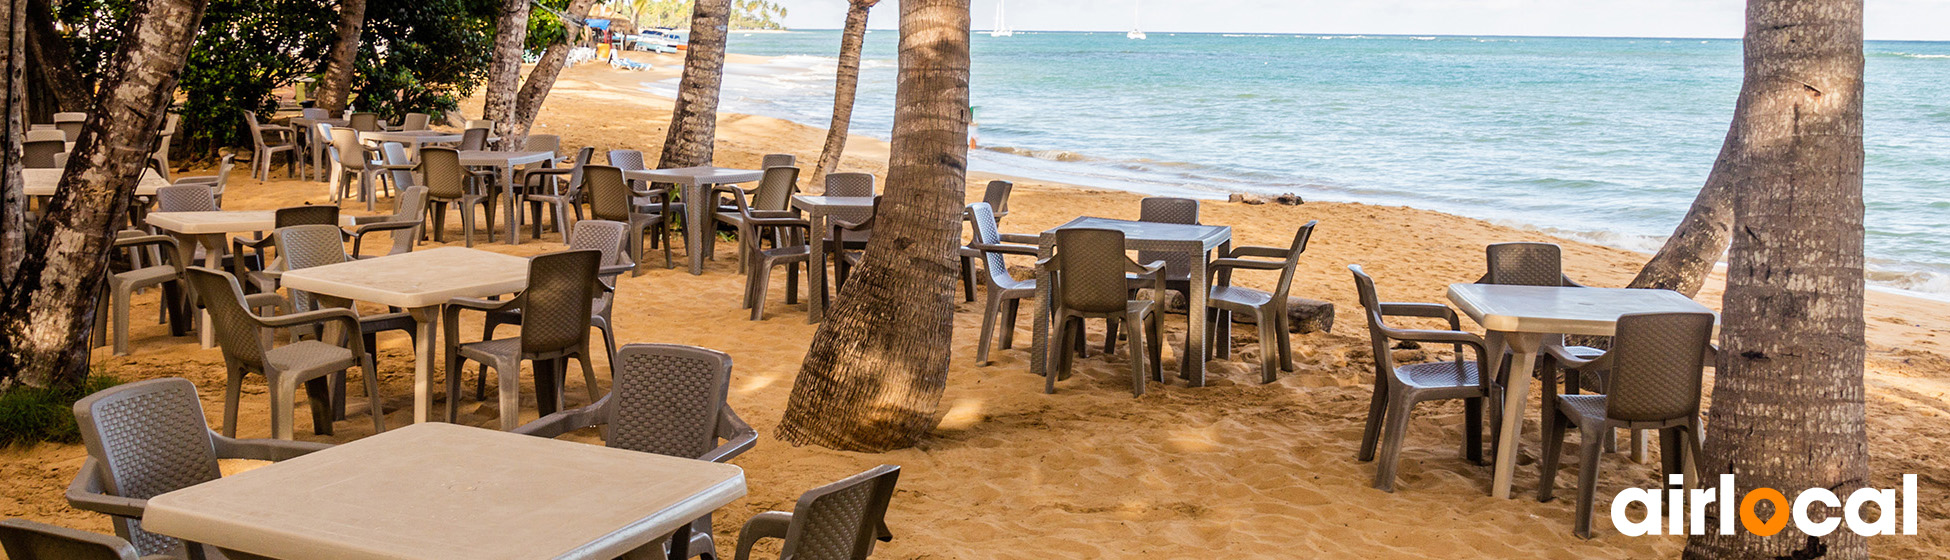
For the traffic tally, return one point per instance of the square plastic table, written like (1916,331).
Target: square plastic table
(819,210)
(697,209)
(1521,316)
(445,491)
(42,182)
(210,229)
(421,282)
(504,163)
(1195,241)
(412,139)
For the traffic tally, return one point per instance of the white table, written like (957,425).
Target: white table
(413,139)
(445,491)
(420,282)
(504,163)
(1193,241)
(819,210)
(210,230)
(698,208)
(1522,316)
(43,182)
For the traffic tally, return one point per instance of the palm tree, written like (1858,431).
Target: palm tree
(504,70)
(878,365)
(694,118)
(336,85)
(1787,401)
(844,86)
(48,310)
(528,102)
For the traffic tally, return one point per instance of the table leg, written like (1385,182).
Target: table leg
(513,206)
(1192,364)
(213,260)
(1039,354)
(424,343)
(1516,396)
(680,543)
(816,272)
(696,226)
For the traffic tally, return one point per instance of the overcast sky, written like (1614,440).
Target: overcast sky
(1886,19)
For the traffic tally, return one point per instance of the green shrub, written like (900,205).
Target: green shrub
(29,415)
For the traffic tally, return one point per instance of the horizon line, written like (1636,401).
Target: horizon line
(1318,34)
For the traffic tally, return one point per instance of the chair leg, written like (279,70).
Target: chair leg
(454,362)
(1670,446)
(588,374)
(1591,444)
(1391,444)
(1138,349)
(609,340)
(757,279)
(121,303)
(562,222)
(1111,328)
(989,311)
(378,410)
(488,325)
(1269,349)
(1473,430)
(1284,329)
(439,222)
(968,278)
(1154,336)
(1553,453)
(1009,322)
(1222,325)
(1377,412)
(791,283)
(231,389)
(318,393)
(510,395)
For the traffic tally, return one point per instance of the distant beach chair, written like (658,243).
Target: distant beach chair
(1397,389)
(838,520)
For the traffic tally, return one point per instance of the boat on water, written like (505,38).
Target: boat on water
(1001,25)
(1136,32)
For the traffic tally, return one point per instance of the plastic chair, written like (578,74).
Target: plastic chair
(350,157)
(664,399)
(415,121)
(996,195)
(26,540)
(45,135)
(1397,389)
(610,198)
(405,226)
(148,438)
(838,520)
(1542,264)
(792,244)
(473,139)
(121,287)
(1656,364)
(40,154)
(364,122)
(771,199)
(399,168)
(1178,266)
(246,341)
(599,235)
(555,327)
(70,124)
(446,182)
(1005,292)
(559,200)
(1088,281)
(1269,310)
(778,160)
(217,182)
(267,141)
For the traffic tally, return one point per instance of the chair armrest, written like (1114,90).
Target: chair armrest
(1004,249)
(1569,283)
(739,437)
(87,493)
(1266,252)
(264,449)
(395,166)
(197,180)
(1023,238)
(145,240)
(478,304)
(1432,310)
(775,213)
(333,314)
(1437,337)
(767,525)
(266,299)
(781,222)
(554,425)
(1248,264)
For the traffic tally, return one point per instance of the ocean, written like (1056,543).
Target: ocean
(1599,139)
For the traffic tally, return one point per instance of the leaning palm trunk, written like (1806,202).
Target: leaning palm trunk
(878,365)
(1682,264)
(50,305)
(335,89)
(694,118)
(844,85)
(1787,401)
(528,103)
(50,56)
(504,70)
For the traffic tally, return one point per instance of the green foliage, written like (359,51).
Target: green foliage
(29,415)
(245,50)
(745,14)
(422,55)
(544,27)
(756,14)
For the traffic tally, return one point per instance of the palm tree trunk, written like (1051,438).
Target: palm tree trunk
(49,55)
(504,71)
(844,86)
(1788,400)
(335,89)
(694,119)
(534,90)
(13,100)
(878,365)
(50,306)
(1682,264)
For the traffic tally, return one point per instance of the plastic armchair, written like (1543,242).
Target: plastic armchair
(611,198)
(1089,281)
(217,182)
(447,184)
(555,310)
(603,236)
(26,540)
(1005,292)
(772,198)
(121,288)
(352,157)
(838,520)
(245,339)
(148,438)
(558,201)
(405,225)
(269,141)
(1268,309)
(1397,389)
(792,246)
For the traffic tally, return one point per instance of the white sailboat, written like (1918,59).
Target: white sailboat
(1135,33)
(1001,25)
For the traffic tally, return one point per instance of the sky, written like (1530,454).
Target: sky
(1884,19)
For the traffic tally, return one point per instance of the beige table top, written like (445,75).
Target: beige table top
(221,221)
(417,279)
(42,182)
(422,136)
(1559,310)
(694,176)
(439,490)
(486,157)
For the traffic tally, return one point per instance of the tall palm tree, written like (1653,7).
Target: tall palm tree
(878,365)
(49,310)
(528,102)
(694,118)
(336,86)
(844,86)
(1787,398)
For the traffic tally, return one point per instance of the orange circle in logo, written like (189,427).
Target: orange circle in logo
(1751,520)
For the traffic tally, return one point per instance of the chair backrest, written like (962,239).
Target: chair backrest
(627,160)
(40,154)
(542,143)
(170,122)
(186,198)
(364,122)
(778,160)
(70,116)
(1658,360)
(310,214)
(666,399)
(315,113)
(555,306)
(27,540)
(415,121)
(839,521)
(584,158)
(776,188)
(149,438)
(71,129)
(1300,237)
(395,154)
(346,149)
(1090,270)
(223,174)
(849,184)
(445,178)
(606,236)
(609,195)
(257,132)
(1524,264)
(1384,360)
(982,218)
(480,123)
(39,135)
(1165,210)
(311,245)
(997,196)
(238,331)
(412,207)
(473,139)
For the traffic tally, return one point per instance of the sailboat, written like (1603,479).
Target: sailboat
(1001,25)
(1135,32)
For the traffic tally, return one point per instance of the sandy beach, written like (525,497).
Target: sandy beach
(1236,469)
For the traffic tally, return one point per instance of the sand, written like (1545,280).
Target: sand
(1237,469)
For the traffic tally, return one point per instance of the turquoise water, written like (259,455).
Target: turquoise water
(1601,139)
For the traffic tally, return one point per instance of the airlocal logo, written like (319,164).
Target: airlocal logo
(1685,510)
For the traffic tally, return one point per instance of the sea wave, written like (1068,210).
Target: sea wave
(1912,55)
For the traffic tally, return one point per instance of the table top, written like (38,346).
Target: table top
(438,490)
(486,157)
(301,121)
(43,182)
(417,279)
(1136,231)
(809,202)
(220,221)
(1562,310)
(695,176)
(410,136)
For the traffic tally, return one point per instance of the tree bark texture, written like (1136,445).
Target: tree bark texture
(49,56)
(694,118)
(1788,400)
(335,88)
(504,71)
(534,90)
(1682,264)
(879,364)
(50,307)
(13,97)
(845,83)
